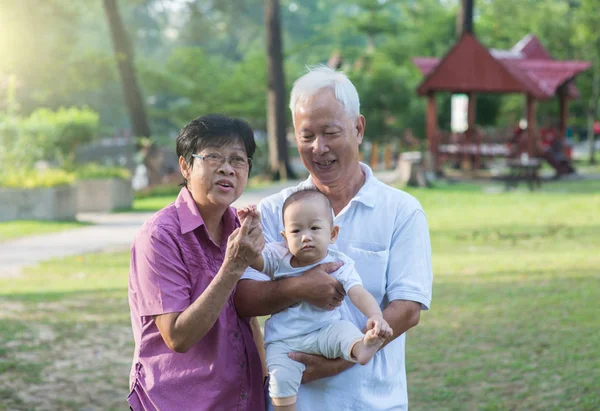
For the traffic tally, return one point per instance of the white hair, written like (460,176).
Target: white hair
(321,77)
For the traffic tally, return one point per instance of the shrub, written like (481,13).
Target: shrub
(45,135)
(159,190)
(69,127)
(93,171)
(35,178)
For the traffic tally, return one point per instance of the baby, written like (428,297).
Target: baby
(308,232)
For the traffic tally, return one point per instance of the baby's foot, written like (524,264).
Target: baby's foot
(366,349)
(372,339)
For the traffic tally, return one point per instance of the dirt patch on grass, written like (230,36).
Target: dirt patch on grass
(44,369)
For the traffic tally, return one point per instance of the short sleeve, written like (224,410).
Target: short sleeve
(409,274)
(272,255)
(159,278)
(347,274)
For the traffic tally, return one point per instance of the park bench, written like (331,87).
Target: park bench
(523,169)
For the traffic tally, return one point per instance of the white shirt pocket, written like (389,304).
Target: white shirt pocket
(371,265)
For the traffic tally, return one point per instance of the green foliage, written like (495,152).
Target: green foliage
(70,126)
(45,135)
(22,143)
(385,95)
(202,56)
(195,83)
(93,171)
(159,190)
(35,178)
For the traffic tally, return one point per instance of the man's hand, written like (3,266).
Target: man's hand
(320,289)
(318,367)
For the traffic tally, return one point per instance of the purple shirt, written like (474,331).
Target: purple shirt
(173,260)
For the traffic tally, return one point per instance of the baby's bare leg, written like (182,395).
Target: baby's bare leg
(364,350)
(285,404)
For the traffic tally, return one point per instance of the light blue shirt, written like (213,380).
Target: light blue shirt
(303,318)
(384,230)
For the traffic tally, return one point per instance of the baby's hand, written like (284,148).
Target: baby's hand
(251,213)
(379,326)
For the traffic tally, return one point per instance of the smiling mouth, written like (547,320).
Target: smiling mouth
(225,184)
(324,163)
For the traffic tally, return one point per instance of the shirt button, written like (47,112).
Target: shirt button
(243,396)
(236,335)
(243,364)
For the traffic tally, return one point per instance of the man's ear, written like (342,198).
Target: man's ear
(360,128)
(334,233)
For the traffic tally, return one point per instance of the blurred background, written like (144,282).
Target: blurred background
(94,92)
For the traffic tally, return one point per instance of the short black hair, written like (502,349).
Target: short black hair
(216,130)
(301,195)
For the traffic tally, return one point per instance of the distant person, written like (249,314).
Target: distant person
(308,233)
(192,350)
(411,143)
(555,154)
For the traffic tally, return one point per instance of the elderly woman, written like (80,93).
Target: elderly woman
(192,350)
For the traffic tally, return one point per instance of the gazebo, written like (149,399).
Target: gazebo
(470,68)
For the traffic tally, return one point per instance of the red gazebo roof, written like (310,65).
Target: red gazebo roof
(526,68)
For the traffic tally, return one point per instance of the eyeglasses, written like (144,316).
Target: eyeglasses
(216,160)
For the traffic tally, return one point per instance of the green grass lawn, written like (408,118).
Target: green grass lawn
(10,230)
(514,322)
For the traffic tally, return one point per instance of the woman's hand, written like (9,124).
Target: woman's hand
(244,246)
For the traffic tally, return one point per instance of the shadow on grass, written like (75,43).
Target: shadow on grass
(513,234)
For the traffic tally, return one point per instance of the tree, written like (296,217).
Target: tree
(133,97)
(124,58)
(374,18)
(587,36)
(276,107)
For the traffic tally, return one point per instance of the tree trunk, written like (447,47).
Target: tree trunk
(592,112)
(124,58)
(131,91)
(464,18)
(276,102)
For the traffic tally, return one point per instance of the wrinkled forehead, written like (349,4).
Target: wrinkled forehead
(322,106)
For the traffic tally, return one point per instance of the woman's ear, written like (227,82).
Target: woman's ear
(334,233)
(184,168)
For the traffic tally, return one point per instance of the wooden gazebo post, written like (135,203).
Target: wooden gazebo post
(471,118)
(531,126)
(564,112)
(431,130)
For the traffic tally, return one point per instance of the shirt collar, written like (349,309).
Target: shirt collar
(190,218)
(367,192)
(187,211)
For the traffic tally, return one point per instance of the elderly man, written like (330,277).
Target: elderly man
(384,230)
